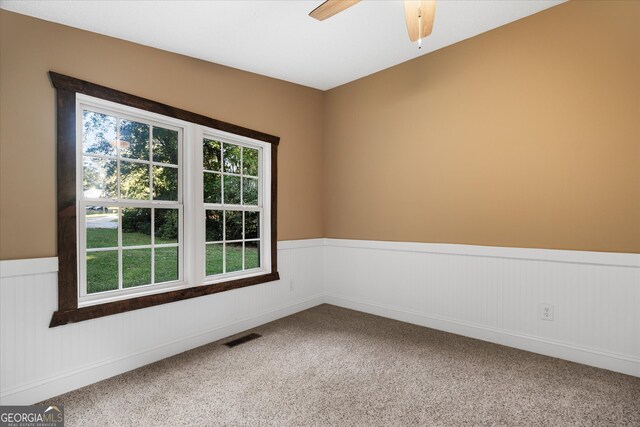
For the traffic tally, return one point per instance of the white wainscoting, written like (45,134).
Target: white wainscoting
(493,294)
(38,362)
(482,292)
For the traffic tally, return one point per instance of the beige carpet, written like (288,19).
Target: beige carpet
(331,366)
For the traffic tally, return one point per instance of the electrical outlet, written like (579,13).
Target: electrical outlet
(546,311)
(290,285)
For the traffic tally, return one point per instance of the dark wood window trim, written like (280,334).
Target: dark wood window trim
(68,310)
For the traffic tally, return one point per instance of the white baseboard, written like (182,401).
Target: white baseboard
(93,373)
(89,374)
(587,356)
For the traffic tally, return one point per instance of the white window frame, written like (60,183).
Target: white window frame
(264,205)
(191,233)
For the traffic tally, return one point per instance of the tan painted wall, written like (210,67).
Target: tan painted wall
(525,136)
(30,47)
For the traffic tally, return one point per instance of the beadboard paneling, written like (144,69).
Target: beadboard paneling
(38,362)
(494,294)
(482,292)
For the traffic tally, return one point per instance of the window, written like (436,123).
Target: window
(156,204)
(130,210)
(232,207)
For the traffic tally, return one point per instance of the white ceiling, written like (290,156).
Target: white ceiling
(278,38)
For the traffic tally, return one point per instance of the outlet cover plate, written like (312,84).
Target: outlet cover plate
(546,311)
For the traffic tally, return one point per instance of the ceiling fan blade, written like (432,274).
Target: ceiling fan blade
(330,8)
(412,10)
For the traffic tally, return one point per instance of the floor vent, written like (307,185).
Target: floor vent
(242,340)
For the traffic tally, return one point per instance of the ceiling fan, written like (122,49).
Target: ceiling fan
(417,13)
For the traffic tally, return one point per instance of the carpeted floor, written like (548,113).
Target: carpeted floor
(332,366)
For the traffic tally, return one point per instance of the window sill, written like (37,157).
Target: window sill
(136,292)
(60,318)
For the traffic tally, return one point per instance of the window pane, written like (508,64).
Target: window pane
(136,267)
(165,145)
(98,133)
(251,225)
(99,178)
(234,256)
(231,190)
(136,226)
(251,255)
(102,227)
(250,191)
(249,161)
(214,259)
(211,155)
(102,271)
(212,188)
(134,180)
(233,225)
(166,264)
(165,183)
(134,140)
(231,158)
(213,221)
(166,227)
